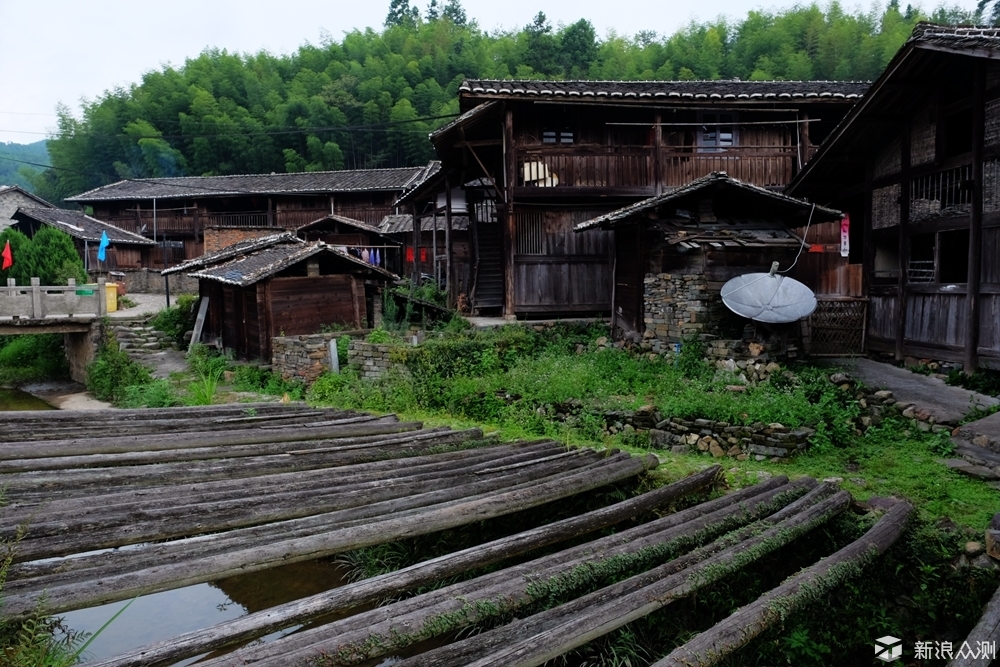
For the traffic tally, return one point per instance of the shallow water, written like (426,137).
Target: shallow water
(15,399)
(159,616)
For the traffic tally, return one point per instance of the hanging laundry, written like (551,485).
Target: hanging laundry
(378,258)
(364,254)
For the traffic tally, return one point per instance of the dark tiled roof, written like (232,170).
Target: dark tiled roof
(668,90)
(255,266)
(402,223)
(316,182)
(80,226)
(351,222)
(17,188)
(956,37)
(235,250)
(713,180)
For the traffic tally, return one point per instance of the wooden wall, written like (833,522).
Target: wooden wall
(558,270)
(301,305)
(826,272)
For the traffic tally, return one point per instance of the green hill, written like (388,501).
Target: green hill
(12,157)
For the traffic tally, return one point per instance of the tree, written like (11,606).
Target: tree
(401,13)
(52,257)
(542,52)
(454,12)
(579,48)
(433,12)
(21,271)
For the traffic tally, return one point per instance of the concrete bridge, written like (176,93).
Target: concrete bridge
(73,310)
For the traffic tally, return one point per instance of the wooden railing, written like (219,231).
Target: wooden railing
(629,168)
(40,302)
(179,222)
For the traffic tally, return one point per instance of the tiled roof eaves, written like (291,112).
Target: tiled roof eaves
(672,91)
(610,219)
(219,272)
(240,248)
(82,226)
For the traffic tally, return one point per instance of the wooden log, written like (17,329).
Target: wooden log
(28,491)
(50,571)
(986,632)
(146,414)
(620,604)
(370,590)
(141,523)
(144,443)
(112,585)
(512,587)
(715,644)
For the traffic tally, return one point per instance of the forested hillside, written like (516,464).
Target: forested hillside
(369,99)
(14,171)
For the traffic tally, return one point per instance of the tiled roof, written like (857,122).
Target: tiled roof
(351,222)
(80,226)
(401,223)
(956,37)
(713,180)
(316,182)
(255,266)
(240,248)
(669,90)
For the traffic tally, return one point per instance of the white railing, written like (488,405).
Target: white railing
(40,302)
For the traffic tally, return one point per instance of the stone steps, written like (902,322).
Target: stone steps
(140,339)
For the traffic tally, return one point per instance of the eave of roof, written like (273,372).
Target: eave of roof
(715,179)
(357,224)
(18,188)
(229,273)
(240,248)
(79,225)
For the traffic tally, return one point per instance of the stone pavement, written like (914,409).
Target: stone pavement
(146,304)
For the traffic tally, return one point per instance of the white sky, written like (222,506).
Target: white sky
(54,51)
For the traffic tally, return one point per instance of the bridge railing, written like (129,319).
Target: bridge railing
(40,302)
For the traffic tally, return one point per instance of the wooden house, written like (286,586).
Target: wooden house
(280,285)
(673,253)
(440,252)
(917,165)
(355,237)
(178,210)
(126,250)
(546,156)
(13,197)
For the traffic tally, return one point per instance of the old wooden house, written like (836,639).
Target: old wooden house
(126,250)
(545,156)
(917,165)
(179,210)
(673,253)
(280,285)
(357,238)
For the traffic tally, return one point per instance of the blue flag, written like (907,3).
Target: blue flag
(104,246)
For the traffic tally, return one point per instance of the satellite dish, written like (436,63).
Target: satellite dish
(768,297)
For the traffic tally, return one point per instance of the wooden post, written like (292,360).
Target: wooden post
(510,176)
(972,300)
(657,157)
(36,299)
(904,234)
(415,275)
(447,240)
(804,140)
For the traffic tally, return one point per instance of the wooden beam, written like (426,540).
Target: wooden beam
(974,275)
(904,233)
(510,243)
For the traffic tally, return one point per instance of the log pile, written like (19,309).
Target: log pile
(200,494)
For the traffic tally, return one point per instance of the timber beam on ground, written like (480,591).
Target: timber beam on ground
(105,506)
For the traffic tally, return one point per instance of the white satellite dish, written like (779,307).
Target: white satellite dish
(768,297)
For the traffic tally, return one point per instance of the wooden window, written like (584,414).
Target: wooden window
(563,136)
(530,234)
(717,132)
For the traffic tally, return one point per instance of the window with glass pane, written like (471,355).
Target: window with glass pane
(717,131)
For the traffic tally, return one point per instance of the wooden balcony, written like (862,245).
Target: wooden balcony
(178,223)
(633,170)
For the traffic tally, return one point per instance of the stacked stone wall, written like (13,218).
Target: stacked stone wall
(373,360)
(149,281)
(305,357)
(677,306)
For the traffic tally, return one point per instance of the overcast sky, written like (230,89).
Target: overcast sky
(54,51)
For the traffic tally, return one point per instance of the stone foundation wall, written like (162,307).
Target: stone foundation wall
(305,357)
(761,441)
(149,281)
(677,306)
(372,359)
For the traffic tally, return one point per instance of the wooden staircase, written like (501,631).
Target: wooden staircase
(489,268)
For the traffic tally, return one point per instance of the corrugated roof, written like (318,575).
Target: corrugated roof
(316,182)
(80,226)
(240,248)
(255,266)
(711,181)
(665,90)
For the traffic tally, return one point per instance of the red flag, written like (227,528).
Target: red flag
(8,257)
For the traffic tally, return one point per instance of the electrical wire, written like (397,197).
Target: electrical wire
(802,245)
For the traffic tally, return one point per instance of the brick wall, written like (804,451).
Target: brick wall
(217,238)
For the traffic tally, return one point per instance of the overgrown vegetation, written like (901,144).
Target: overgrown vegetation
(29,358)
(113,372)
(985,381)
(178,319)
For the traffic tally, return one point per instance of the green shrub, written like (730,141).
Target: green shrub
(28,357)
(202,391)
(178,319)
(204,360)
(112,372)
(380,336)
(250,378)
(156,394)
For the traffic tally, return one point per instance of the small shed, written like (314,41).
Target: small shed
(126,250)
(675,251)
(281,285)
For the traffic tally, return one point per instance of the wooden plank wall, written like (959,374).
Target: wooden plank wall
(883,315)
(629,273)
(300,305)
(937,319)
(572,271)
(827,273)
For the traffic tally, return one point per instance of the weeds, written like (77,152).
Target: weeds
(178,319)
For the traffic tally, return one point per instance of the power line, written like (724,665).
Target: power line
(244,133)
